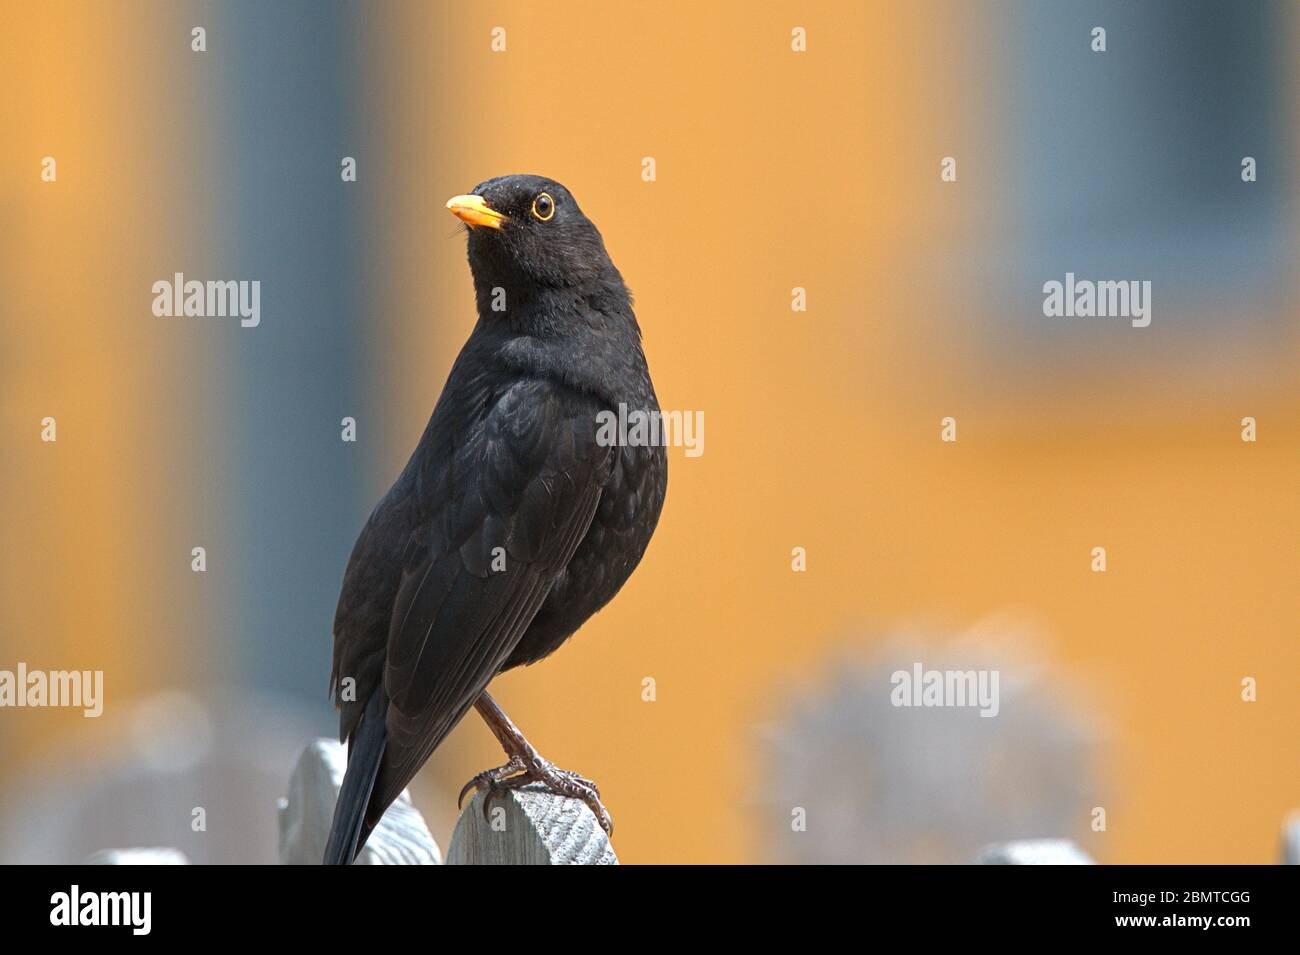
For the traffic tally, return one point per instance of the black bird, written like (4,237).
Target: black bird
(513,522)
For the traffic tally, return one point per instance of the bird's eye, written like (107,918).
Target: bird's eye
(543,207)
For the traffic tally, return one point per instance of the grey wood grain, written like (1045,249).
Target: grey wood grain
(529,826)
(401,838)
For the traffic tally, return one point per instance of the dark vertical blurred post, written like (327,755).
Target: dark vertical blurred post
(293,488)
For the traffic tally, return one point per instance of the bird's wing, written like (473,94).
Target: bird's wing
(513,499)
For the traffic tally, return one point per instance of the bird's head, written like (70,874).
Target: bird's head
(527,232)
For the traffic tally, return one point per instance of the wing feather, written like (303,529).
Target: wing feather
(529,481)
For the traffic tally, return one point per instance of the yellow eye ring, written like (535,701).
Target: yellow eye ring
(543,207)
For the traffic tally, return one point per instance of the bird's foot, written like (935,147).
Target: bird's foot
(490,780)
(517,774)
(526,766)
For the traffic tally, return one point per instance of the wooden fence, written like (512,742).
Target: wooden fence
(521,827)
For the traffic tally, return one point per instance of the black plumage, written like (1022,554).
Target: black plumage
(512,523)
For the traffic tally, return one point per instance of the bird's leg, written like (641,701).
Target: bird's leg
(521,752)
(527,766)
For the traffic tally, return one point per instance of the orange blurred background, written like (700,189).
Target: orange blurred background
(775,169)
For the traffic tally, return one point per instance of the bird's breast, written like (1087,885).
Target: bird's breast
(610,551)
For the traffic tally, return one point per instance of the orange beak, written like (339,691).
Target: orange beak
(474,211)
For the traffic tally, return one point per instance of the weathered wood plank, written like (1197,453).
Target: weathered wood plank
(401,838)
(155,856)
(529,826)
(1033,852)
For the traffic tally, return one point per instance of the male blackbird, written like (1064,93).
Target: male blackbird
(513,522)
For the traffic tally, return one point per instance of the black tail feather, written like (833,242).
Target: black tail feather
(366,750)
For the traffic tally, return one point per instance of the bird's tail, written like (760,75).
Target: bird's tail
(365,752)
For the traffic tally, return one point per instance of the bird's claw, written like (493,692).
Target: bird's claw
(561,782)
(489,780)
